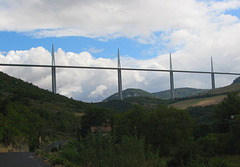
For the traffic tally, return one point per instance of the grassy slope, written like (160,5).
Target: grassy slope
(217,96)
(206,101)
(225,89)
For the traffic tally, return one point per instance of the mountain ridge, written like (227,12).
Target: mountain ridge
(180,93)
(130,92)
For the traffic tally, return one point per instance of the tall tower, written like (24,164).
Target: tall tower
(53,72)
(171,79)
(212,75)
(119,78)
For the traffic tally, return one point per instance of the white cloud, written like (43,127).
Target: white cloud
(98,91)
(103,18)
(94,50)
(222,6)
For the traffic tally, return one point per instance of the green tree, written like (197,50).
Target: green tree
(225,112)
(164,127)
(94,116)
(169,128)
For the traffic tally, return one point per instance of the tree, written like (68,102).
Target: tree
(227,115)
(225,112)
(165,128)
(94,117)
(169,128)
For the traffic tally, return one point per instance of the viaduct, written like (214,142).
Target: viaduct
(119,69)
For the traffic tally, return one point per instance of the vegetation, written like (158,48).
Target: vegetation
(141,134)
(198,101)
(224,90)
(180,93)
(237,80)
(130,93)
(129,103)
(30,116)
(164,136)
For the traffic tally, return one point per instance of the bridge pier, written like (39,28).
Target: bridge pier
(54,90)
(171,79)
(119,78)
(212,75)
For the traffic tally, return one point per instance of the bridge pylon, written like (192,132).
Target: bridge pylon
(119,78)
(171,79)
(54,90)
(212,75)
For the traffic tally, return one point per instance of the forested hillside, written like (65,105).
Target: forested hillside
(180,93)
(162,136)
(130,93)
(30,115)
(141,131)
(237,80)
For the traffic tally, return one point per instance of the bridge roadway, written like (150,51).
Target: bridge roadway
(20,159)
(117,68)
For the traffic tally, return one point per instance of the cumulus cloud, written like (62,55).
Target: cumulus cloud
(138,19)
(98,91)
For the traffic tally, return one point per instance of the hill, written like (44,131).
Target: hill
(17,89)
(210,97)
(130,93)
(30,116)
(224,90)
(180,93)
(130,102)
(204,101)
(185,97)
(237,80)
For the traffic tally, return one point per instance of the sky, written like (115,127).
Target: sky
(89,33)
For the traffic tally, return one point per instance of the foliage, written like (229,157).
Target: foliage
(180,93)
(130,102)
(148,135)
(94,116)
(226,111)
(130,93)
(201,114)
(17,90)
(219,162)
(209,145)
(98,150)
(21,121)
(28,113)
(165,128)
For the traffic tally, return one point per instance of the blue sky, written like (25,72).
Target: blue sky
(144,31)
(106,49)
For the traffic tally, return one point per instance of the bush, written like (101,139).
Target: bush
(98,150)
(209,145)
(187,155)
(217,162)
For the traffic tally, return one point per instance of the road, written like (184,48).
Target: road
(20,159)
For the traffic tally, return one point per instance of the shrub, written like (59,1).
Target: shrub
(97,150)
(218,162)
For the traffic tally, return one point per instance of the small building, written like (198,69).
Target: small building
(103,129)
